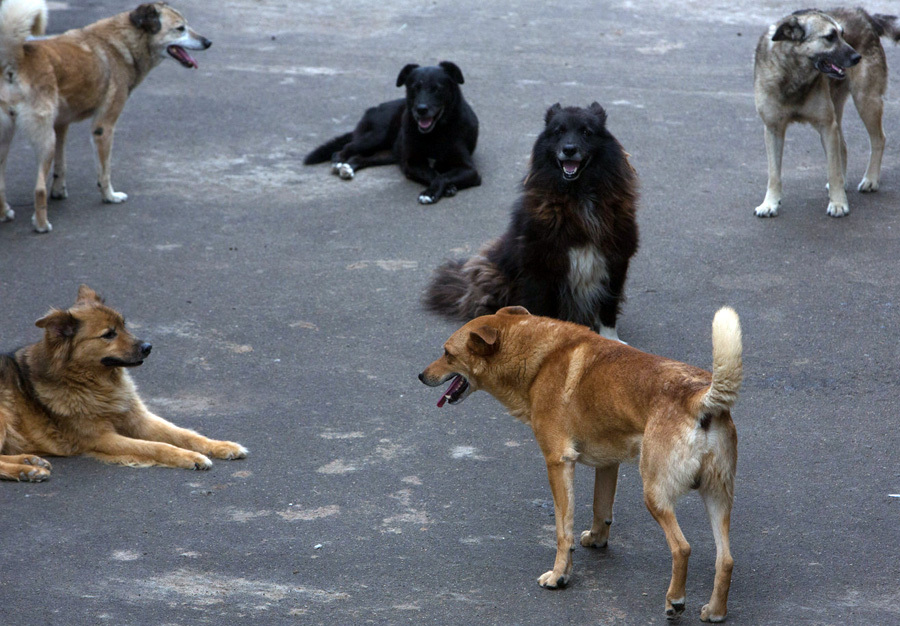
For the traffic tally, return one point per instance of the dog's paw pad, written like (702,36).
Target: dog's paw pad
(836,209)
(866,185)
(37,475)
(36,461)
(115,197)
(552,580)
(706,615)
(426,199)
(345,171)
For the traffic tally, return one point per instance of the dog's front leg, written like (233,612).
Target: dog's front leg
(154,428)
(837,196)
(102,136)
(112,447)
(7,130)
(605,479)
(774,153)
(562,483)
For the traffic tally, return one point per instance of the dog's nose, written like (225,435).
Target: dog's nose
(422,109)
(206,43)
(145,349)
(569,150)
(422,377)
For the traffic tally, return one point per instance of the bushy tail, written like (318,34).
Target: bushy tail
(18,20)
(727,365)
(463,289)
(323,153)
(886,26)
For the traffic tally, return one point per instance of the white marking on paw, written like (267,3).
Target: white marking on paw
(836,209)
(345,171)
(866,185)
(423,199)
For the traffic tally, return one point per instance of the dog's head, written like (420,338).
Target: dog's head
(819,38)
(430,91)
(168,32)
(471,355)
(90,336)
(572,138)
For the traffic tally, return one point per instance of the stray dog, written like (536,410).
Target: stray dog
(69,394)
(571,235)
(806,65)
(601,402)
(431,133)
(87,72)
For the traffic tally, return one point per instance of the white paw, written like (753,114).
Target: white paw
(38,229)
(60,193)
(345,171)
(115,197)
(551,580)
(767,209)
(838,209)
(203,463)
(588,540)
(426,199)
(6,214)
(868,185)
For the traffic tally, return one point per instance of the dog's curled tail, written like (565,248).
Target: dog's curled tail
(463,289)
(886,26)
(727,365)
(18,20)
(323,153)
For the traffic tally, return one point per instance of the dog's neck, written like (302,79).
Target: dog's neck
(134,48)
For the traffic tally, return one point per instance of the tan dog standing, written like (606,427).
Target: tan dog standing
(87,72)
(600,402)
(69,394)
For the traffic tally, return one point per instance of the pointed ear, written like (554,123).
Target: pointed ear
(789,30)
(556,108)
(86,295)
(454,71)
(59,324)
(484,340)
(599,111)
(146,18)
(513,310)
(404,74)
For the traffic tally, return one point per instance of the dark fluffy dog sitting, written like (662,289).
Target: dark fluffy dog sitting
(431,133)
(571,236)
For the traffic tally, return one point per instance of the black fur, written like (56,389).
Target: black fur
(431,133)
(579,194)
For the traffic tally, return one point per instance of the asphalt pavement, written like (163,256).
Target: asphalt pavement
(283,307)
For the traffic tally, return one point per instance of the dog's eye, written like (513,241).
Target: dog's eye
(180,29)
(587,132)
(830,37)
(110,334)
(447,354)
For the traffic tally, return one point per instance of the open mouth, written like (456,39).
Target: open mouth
(570,168)
(111,361)
(830,69)
(179,54)
(426,123)
(456,391)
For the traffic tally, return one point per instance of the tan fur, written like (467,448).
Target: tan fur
(87,72)
(592,400)
(790,85)
(69,394)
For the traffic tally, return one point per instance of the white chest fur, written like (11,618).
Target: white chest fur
(587,272)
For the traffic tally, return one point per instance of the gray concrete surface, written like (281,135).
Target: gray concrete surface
(283,308)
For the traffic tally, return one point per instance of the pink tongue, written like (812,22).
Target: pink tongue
(454,386)
(183,56)
(425,122)
(570,167)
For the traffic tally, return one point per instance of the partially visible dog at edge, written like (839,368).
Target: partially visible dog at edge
(70,394)
(49,83)
(806,66)
(572,233)
(431,133)
(601,402)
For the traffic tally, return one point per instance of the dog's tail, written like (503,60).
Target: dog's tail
(886,26)
(323,153)
(463,289)
(727,365)
(18,20)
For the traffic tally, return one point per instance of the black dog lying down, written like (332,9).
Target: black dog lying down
(432,134)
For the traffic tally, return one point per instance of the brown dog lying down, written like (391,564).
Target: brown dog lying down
(69,394)
(600,402)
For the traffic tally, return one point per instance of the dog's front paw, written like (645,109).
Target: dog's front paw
(228,450)
(706,615)
(46,227)
(674,609)
(344,170)
(6,213)
(115,197)
(866,185)
(838,209)
(200,462)
(426,198)
(553,580)
(59,193)
(767,209)
(450,191)
(590,540)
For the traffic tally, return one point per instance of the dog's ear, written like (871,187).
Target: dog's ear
(404,74)
(556,108)
(513,310)
(59,324)
(484,340)
(146,18)
(789,30)
(86,295)
(454,71)
(598,111)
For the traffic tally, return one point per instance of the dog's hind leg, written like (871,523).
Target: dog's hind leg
(7,130)
(102,136)
(605,479)
(58,190)
(561,472)
(718,507)
(774,153)
(664,514)
(44,141)
(24,467)
(871,108)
